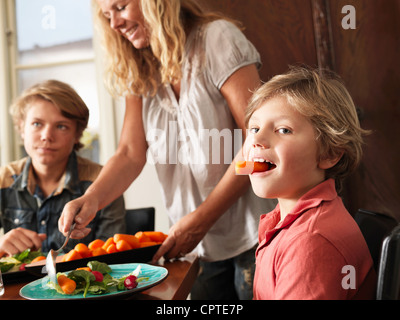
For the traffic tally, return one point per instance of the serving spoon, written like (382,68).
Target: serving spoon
(50,266)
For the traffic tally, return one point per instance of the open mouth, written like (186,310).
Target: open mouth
(130,32)
(249,167)
(263,165)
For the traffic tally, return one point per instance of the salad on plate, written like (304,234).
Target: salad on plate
(95,279)
(18,261)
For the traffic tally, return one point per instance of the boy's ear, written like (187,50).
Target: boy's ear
(328,163)
(78,138)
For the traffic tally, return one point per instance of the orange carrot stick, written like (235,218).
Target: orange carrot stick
(108,242)
(83,250)
(129,238)
(72,255)
(249,167)
(96,244)
(67,285)
(148,244)
(122,245)
(142,236)
(156,236)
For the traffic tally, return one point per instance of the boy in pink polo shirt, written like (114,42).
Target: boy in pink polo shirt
(304,131)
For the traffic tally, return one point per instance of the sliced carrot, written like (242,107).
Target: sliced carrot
(40,258)
(83,250)
(67,285)
(96,244)
(123,245)
(142,237)
(131,239)
(148,244)
(98,252)
(156,236)
(72,255)
(112,248)
(84,268)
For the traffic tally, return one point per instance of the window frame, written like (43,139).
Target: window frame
(6,88)
(9,140)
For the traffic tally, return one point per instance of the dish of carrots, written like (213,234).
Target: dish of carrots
(118,243)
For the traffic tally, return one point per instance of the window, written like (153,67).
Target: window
(53,39)
(41,39)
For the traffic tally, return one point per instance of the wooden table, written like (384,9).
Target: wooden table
(181,276)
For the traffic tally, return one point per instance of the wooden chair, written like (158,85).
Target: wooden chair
(388,287)
(374,227)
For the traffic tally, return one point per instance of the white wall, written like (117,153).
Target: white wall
(145,190)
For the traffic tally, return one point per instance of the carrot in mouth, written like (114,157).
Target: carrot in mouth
(249,167)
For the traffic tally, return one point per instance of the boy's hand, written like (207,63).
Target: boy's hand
(20,239)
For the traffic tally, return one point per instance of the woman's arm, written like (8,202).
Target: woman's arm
(187,232)
(116,176)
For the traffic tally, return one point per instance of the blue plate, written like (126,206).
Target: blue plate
(38,289)
(129,256)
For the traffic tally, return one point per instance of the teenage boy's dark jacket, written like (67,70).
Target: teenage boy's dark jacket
(22,203)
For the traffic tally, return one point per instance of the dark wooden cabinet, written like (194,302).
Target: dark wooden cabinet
(291,32)
(367,58)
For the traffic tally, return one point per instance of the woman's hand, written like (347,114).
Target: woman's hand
(82,211)
(20,239)
(182,238)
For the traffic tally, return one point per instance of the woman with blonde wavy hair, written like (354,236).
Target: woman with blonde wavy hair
(186,76)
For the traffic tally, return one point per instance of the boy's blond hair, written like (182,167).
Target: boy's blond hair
(320,96)
(63,96)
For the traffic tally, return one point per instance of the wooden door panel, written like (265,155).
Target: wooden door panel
(367,58)
(281,30)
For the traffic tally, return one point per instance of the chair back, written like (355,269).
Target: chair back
(374,227)
(389,268)
(141,219)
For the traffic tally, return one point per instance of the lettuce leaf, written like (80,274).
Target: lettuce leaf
(83,279)
(99,266)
